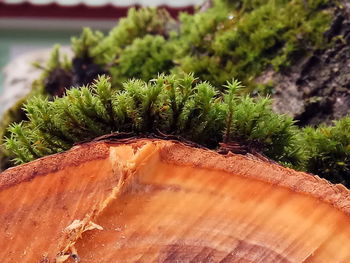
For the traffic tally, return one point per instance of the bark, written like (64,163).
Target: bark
(145,200)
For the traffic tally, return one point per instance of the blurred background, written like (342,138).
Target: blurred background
(29,29)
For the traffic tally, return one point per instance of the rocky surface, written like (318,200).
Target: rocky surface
(317,88)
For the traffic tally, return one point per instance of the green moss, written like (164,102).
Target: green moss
(137,24)
(328,149)
(153,52)
(232,39)
(85,45)
(52,79)
(171,105)
(15,113)
(181,107)
(250,37)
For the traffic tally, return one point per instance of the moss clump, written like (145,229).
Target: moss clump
(51,82)
(14,114)
(153,52)
(231,39)
(328,149)
(138,24)
(56,75)
(250,36)
(168,105)
(185,108)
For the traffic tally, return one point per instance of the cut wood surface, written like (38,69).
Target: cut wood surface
(161,201)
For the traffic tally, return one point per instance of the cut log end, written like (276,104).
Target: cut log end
(161,201)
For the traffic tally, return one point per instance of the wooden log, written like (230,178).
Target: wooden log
(161,201)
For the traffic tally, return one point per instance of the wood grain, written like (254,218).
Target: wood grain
(161,201)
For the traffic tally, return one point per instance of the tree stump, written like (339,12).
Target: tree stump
(143,200)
